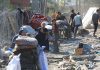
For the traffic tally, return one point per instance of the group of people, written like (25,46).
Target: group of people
(29,58)
(74,22)
(58,20)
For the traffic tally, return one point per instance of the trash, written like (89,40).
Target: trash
(84,67)
(67,63)
(91,65)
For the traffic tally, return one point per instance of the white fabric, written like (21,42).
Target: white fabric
(49,27)
(87,20)
(14,64)
(46,23)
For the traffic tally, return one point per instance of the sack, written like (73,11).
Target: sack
(14,64)
(26,41)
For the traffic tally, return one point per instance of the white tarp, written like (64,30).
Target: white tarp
(87,20)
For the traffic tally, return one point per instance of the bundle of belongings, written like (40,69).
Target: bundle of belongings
(36,20)
(28,55)
(27,48)
(64,27)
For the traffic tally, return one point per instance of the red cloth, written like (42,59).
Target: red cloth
(37,19)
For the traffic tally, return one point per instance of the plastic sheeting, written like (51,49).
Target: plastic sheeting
(43,59)
(28,29)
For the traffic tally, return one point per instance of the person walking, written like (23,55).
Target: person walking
(19,17)
(73,14)
(95,19)
(56,35)
(42,37)
(77,22)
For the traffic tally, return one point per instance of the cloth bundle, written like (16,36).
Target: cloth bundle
(26,41)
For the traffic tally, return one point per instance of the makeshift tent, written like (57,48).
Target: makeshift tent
(87,20)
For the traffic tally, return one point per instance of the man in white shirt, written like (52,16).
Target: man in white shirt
(77,22)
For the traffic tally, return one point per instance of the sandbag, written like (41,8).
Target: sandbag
(26,41)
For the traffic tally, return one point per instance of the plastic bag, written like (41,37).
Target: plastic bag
(14,64)
(43,59)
